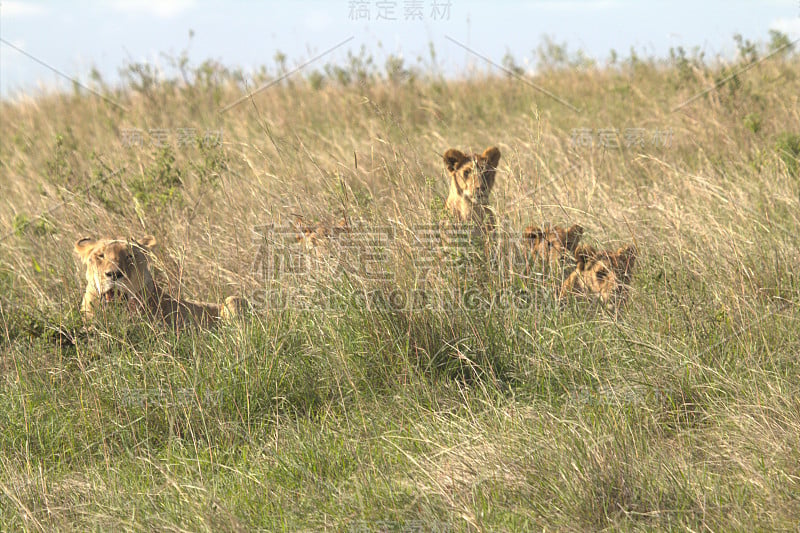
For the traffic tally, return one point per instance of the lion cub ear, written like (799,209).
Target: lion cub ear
(533,233)
(583,253)
(453,158)
(84,247)
(627,256)
(148,241)
(492,156)
(628,251)
(574,234)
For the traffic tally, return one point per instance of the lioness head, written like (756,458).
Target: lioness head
(603,273)
(116,269)
(552,245)
(471,182)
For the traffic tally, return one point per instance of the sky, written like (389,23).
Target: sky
(65,40)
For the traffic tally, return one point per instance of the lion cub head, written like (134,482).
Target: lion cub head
(313,236)
(471,181)
(552,245)
(603,274)
(116,269)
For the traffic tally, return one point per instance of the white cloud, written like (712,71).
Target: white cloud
(163,9)
(789,26)
(21,9)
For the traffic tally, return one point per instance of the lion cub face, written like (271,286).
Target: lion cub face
(115,269)
(601,273)
(471,182)
(552,245)
(313,236)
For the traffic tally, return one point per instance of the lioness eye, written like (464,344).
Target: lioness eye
(100,256)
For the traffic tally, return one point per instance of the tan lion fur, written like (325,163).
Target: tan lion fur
(314,236)
(472,177)
(552,245)
(601,274)
(119,270)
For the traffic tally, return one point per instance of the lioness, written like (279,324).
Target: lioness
(471,181)
(601,274)
(552,245)
(118,270)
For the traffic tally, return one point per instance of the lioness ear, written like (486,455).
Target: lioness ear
(452,159)
(84,247)
(492,155)
(148,241)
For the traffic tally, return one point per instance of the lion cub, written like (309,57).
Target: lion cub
(471,181)
(313,236)
(552,245)
(601,274)
(117,270)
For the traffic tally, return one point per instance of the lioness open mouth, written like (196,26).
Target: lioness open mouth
(113,294)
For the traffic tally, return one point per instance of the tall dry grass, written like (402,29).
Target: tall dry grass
(679,412)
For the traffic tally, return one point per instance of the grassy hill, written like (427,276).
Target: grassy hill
(334,407)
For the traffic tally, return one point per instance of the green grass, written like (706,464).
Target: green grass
(682,411)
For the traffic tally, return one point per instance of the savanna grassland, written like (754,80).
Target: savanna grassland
(680,411)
